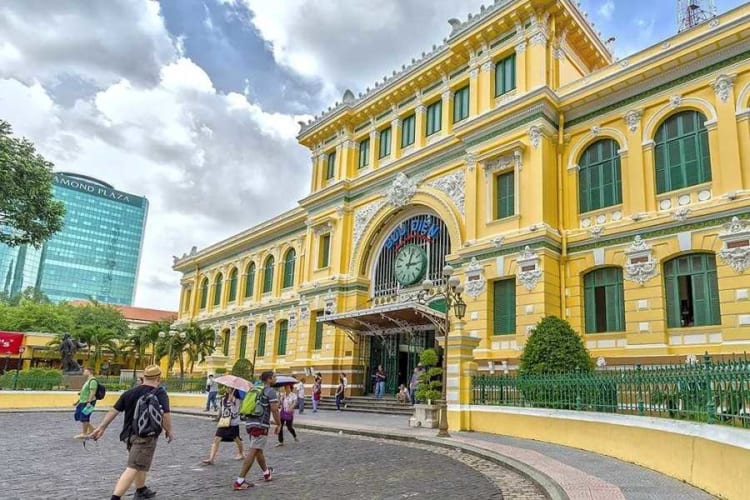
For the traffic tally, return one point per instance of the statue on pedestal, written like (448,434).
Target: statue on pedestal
(68,348)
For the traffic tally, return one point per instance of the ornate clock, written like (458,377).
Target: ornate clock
(410,265)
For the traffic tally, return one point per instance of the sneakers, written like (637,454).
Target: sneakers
(147,493)
(242,486)
(267,475)
(278,444)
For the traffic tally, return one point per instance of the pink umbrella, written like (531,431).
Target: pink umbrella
(234,382)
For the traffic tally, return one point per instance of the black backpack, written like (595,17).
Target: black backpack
(148,415)
(101,391)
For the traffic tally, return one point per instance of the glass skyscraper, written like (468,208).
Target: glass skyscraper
(95,255)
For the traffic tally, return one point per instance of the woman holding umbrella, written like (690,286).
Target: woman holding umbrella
(228,428)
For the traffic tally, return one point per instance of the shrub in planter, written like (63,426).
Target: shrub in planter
(242,368)
(430,382)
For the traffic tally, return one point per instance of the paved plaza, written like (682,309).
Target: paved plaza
(43,461)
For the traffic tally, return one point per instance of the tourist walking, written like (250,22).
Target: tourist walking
(317,389)
(340,393)
(228,428)
(146,409)
(257,429)
(213,391)
(86,402)
(414,383)
(379,382)
(288,403)
(300,388)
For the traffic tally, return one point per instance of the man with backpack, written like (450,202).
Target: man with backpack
(86,402)
(146,408)
(256,409)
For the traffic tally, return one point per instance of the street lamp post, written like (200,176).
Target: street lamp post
(451,292)
(18,367)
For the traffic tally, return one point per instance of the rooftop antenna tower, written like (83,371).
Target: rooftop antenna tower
(691,13)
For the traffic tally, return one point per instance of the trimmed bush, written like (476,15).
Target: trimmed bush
(242,368)
(430,384)
(554,347)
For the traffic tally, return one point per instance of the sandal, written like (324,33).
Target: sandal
(244,485)
(207,462)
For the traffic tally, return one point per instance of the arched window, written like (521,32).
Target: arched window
(225,342)
(291,257)
(283,331)
(681,155)
(599,179)
(204,293)
(243,342)
(268,275)
(261,348)
(604,302)
(692,291)
(217,289)
(250,280)
(233,285)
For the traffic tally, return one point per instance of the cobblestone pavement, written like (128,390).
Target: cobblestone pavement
(41,460)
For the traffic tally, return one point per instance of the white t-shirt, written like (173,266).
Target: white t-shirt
(300,390)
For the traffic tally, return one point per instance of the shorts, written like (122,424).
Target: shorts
(141,452)
(258,438)
(228,434)
(79,415)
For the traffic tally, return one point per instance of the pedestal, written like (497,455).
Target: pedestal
(74,382)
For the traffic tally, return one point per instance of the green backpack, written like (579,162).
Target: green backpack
(251,406)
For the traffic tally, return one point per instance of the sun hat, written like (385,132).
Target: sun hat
(152,371)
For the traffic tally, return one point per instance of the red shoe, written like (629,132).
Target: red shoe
(242,486)
(267,475)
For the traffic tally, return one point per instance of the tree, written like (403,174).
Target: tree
(201,343)
(242,368)
(101,326)
(27,210)
(554,347)
(430,385)
(31,316)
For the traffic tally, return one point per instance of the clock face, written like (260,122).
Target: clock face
(410,265)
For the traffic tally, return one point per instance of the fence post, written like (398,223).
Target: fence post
(710,404)
(639,385)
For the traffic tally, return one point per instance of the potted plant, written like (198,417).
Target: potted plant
(428,391)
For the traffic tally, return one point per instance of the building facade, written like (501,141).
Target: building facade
(554,179)
(95,255)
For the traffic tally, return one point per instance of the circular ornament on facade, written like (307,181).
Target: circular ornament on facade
(704,195)
(665,204)
(601,219)
(585,222)
(410,265)
(684,200)
(616,215)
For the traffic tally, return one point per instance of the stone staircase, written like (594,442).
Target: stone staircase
(364,404)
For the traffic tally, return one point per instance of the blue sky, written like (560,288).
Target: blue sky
(195,103)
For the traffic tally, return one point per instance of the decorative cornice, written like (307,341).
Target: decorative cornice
(723,86)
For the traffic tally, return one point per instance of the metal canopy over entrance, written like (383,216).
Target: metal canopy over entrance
(396,335)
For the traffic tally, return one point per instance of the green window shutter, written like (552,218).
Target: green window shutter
(461,104)
(504,307)
(291,257)
(434,117)
(217,290)
(318,345)
(385,142)
(268,275)
(250,281)
(331,166)
(243,343)
(225,344)
(505,75)
(262,340)
(608,283)
(325,250)
(599,176)
(589,302)
(204,294)
(233,285)
(505,192)
(681,153)
(364,153)
(407,131)
(283,330)
(712,291)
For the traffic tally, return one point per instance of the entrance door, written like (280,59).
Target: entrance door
(399,355)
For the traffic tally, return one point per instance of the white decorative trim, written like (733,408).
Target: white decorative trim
(362,217)
(535,136)
(475,281)
(722,86)
(486,66)
(675,100)
(330,304)
(474,73)
(632,119)
(529,273)
(702,104)
(453,185)
(402,190)
(736,238)
(596,232)
(539,38)
(742,99)
(681,214)
(641,265)
(471,162)
(594,134)
(521,47)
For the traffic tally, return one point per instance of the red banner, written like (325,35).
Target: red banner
(10,342)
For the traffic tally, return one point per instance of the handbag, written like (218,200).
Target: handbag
(286,415)
(224,422)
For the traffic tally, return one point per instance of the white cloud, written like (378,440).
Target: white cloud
(211,164)
(607,9)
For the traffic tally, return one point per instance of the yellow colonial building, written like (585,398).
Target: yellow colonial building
(553,178)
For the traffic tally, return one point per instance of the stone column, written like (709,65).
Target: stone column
(447,108)
(486,90)
(419,125)
(461,367)
(474,90)
(374,149)
(538,42)
(632,166)
(521,66)
(727,164)
(395,138)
